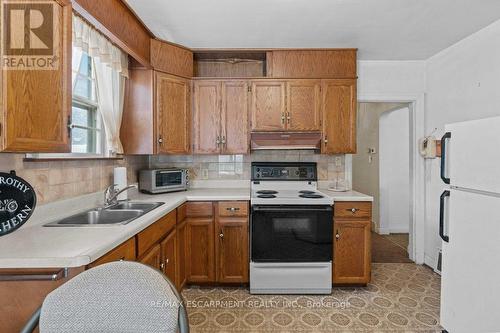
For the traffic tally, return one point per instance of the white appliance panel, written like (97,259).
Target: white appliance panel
(473,154)
(471,272)
(290,278)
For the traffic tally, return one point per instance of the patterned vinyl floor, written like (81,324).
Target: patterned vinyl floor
(400,298)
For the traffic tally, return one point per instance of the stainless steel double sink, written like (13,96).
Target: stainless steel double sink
(118,214)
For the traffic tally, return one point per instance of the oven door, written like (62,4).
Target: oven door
(291,233)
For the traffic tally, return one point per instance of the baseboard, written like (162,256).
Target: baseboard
(386,231)
(399,230)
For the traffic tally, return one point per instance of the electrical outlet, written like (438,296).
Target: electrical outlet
(204,173)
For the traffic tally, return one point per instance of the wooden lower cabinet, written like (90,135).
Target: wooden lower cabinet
(152,257)
(124,251)
(231,249)
(351,251)
(200,249)
(181,255)
(169,256)
(217,242)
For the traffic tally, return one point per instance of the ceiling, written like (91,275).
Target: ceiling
(380,29)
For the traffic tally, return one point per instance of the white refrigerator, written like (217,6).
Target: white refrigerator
(470,227)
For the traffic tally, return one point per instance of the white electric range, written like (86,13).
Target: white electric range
(291,230)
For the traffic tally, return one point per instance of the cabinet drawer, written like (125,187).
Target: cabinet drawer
(124,251)
(233,208)
(358,209)
(199,209)
(152,234)
(181,213)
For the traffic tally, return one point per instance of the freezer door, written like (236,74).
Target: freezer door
(473,154)
(470,287)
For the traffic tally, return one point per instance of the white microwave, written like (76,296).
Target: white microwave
(163,180)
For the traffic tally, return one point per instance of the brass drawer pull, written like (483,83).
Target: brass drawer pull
(352,210)
(232,209)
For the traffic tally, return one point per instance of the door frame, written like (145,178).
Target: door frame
(416,247)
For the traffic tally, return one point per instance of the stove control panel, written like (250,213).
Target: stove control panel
(284,171)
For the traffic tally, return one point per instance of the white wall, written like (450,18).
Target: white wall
(365,174)
(394,160)
(463,83)
(390,77)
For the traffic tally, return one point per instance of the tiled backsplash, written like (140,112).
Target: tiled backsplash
(213,167)
(57,180)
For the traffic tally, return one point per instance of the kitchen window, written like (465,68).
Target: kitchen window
(99,71)
(87,135)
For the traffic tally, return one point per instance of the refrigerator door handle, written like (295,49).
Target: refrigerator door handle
(446,136)
(441,216)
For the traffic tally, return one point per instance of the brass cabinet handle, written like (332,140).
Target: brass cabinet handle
(283,118)
(223,141)
(232,209)
(162,265)
(221,235)
(166,261)
(288,117)
(160,140)
(217,141)
(337,235)
(352,210)
(325,140)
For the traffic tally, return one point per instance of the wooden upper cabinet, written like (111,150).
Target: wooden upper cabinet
(170,58)
(207,135)
(234,117)
(318,64)
(268,105)
(35,103)
(221,117)
(303,105)
(157,114)
(173,110)
(339,116)
(352,255)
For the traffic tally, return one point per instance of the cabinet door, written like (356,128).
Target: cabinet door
(181,255)
(169,256)
(207,135)
(303,105)
(339,116)
(268,105)
(152,257)
(232,249)
(351,251)
(200,250)
(234,117)
(124,251)
(173,112)
(35,104)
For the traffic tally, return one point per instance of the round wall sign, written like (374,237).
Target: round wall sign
(17,202)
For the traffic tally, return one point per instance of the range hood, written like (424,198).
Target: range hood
(285,140)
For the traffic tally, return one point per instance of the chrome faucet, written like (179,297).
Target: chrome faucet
(111,193)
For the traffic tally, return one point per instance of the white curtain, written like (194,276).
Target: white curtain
(97,45)
(110,94)
(111,71)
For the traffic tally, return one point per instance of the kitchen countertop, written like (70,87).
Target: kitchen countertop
(36,246)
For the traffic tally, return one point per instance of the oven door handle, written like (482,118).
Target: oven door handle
(292,208)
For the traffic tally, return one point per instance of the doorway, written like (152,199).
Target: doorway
(382,168)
